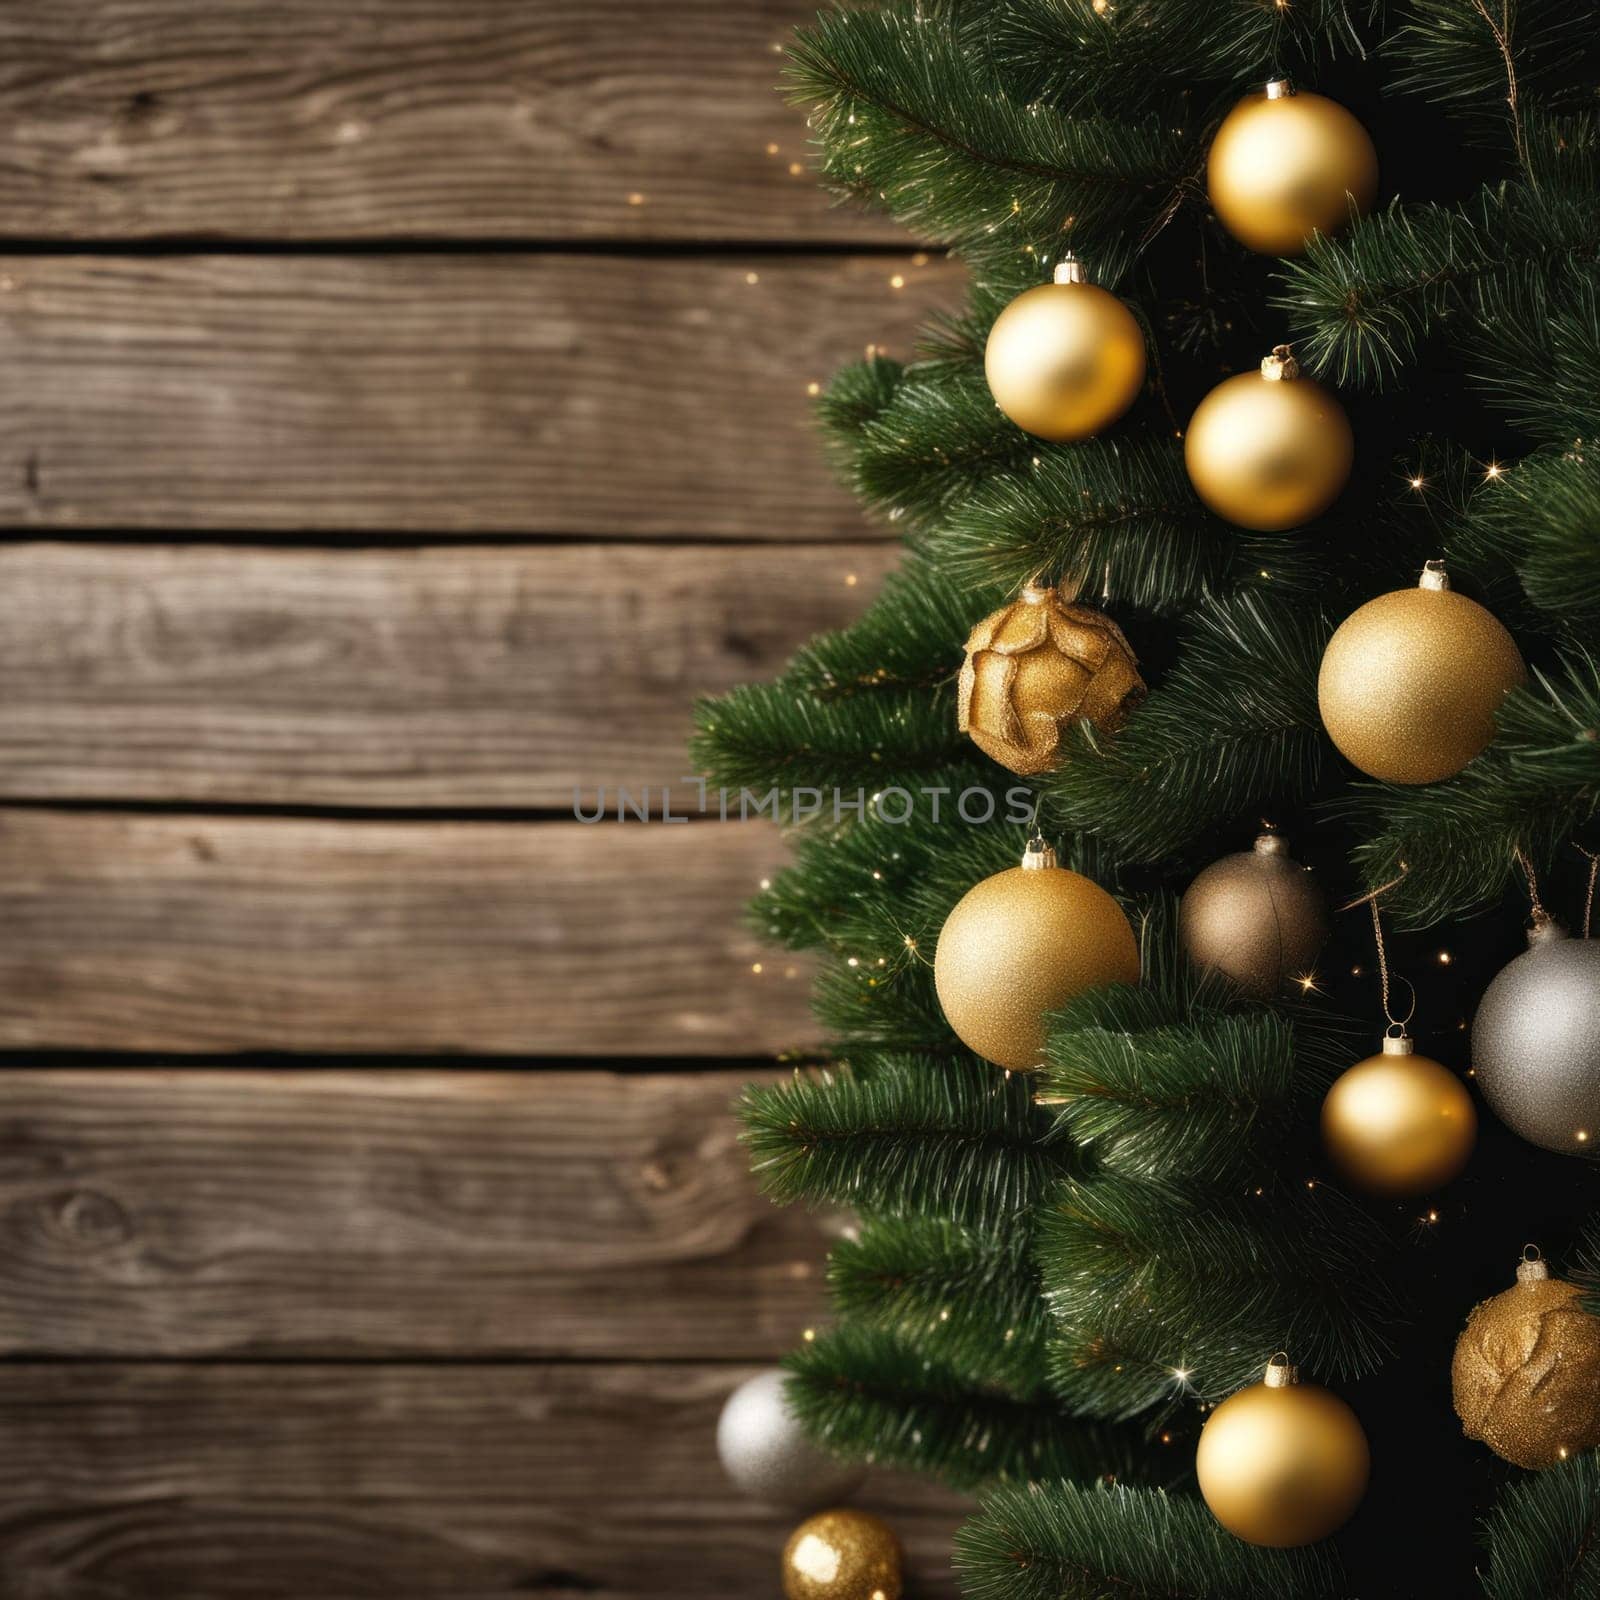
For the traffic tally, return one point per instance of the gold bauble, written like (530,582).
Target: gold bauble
(1035,666)
(1399,1123)
(1285,165)
(1022,943)
(1257,917)
(1269,450)
(1282,1462)
(1411,682)
(842,1555)
(1526,1372)
(1066,359)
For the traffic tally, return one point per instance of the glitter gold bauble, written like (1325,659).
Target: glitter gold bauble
(1526,1372)
(1022,943)
(1286,165)
(842,1555)
(1411,682)
(1257,917)
(1066,359)
(1282,1462)
(1037,665)
(1269,450)
(1399,1123)
(1536,1042)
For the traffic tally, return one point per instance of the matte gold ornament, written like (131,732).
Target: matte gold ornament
(1285,165)
(1022,943)
(1411,682)
(1399,1123)
(1257,917)
(1066,359)
(1034,667)
(1536,1042)
(842,1555)
(1282,1463)
(1526,1372)
(1269,450)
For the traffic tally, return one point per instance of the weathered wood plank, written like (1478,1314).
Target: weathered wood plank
(354,1483)
(183,933)
(531,119)
(463,676)
(392,1213)
(437,394)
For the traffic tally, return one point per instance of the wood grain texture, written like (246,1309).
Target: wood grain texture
(467,676)
(437,394)
(403,119)
(422,1482)
(382,1213)
(191,933)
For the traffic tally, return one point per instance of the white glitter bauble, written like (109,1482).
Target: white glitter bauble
(767,1455)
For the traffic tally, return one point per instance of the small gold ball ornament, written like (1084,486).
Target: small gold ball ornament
(1269,450)
(842,1555)
(1065,359)
(1282,1463)
(1526,1372)
(1399,1123)
(1257,917)
(1022,943)
(1411,682)
(1285,165)
(1034,667)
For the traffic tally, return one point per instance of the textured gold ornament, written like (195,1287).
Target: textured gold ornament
(1066,359)
(1037,665)
(1285,165)
(1282,1462)
(1399,1123)
(842,1555)
(1411,682)
(1526,1372)
(1022,943)
(1269,450)
(1258,917)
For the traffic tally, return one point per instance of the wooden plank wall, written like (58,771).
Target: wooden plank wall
(403,416)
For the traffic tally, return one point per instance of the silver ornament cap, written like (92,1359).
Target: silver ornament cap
(767,1455)
(1536,1042)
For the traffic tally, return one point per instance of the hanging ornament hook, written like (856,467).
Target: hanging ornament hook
(1540,915)
(1588,898)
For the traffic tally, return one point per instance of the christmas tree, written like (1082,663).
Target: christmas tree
(1151,605)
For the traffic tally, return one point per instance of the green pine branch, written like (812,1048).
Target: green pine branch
(1105,61)
(1364,303)
(1541,518)
(1063,1542)
(1187,1086)
(1119,514)
(1469,56)
(1543,1537)
(1159,1293)
(1533,789)
(909,1135)
(911,117)
(970,1295)
(1232,728)
(868,1392)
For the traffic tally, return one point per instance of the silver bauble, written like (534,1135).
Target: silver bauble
(767,1454)
(1536,1042)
